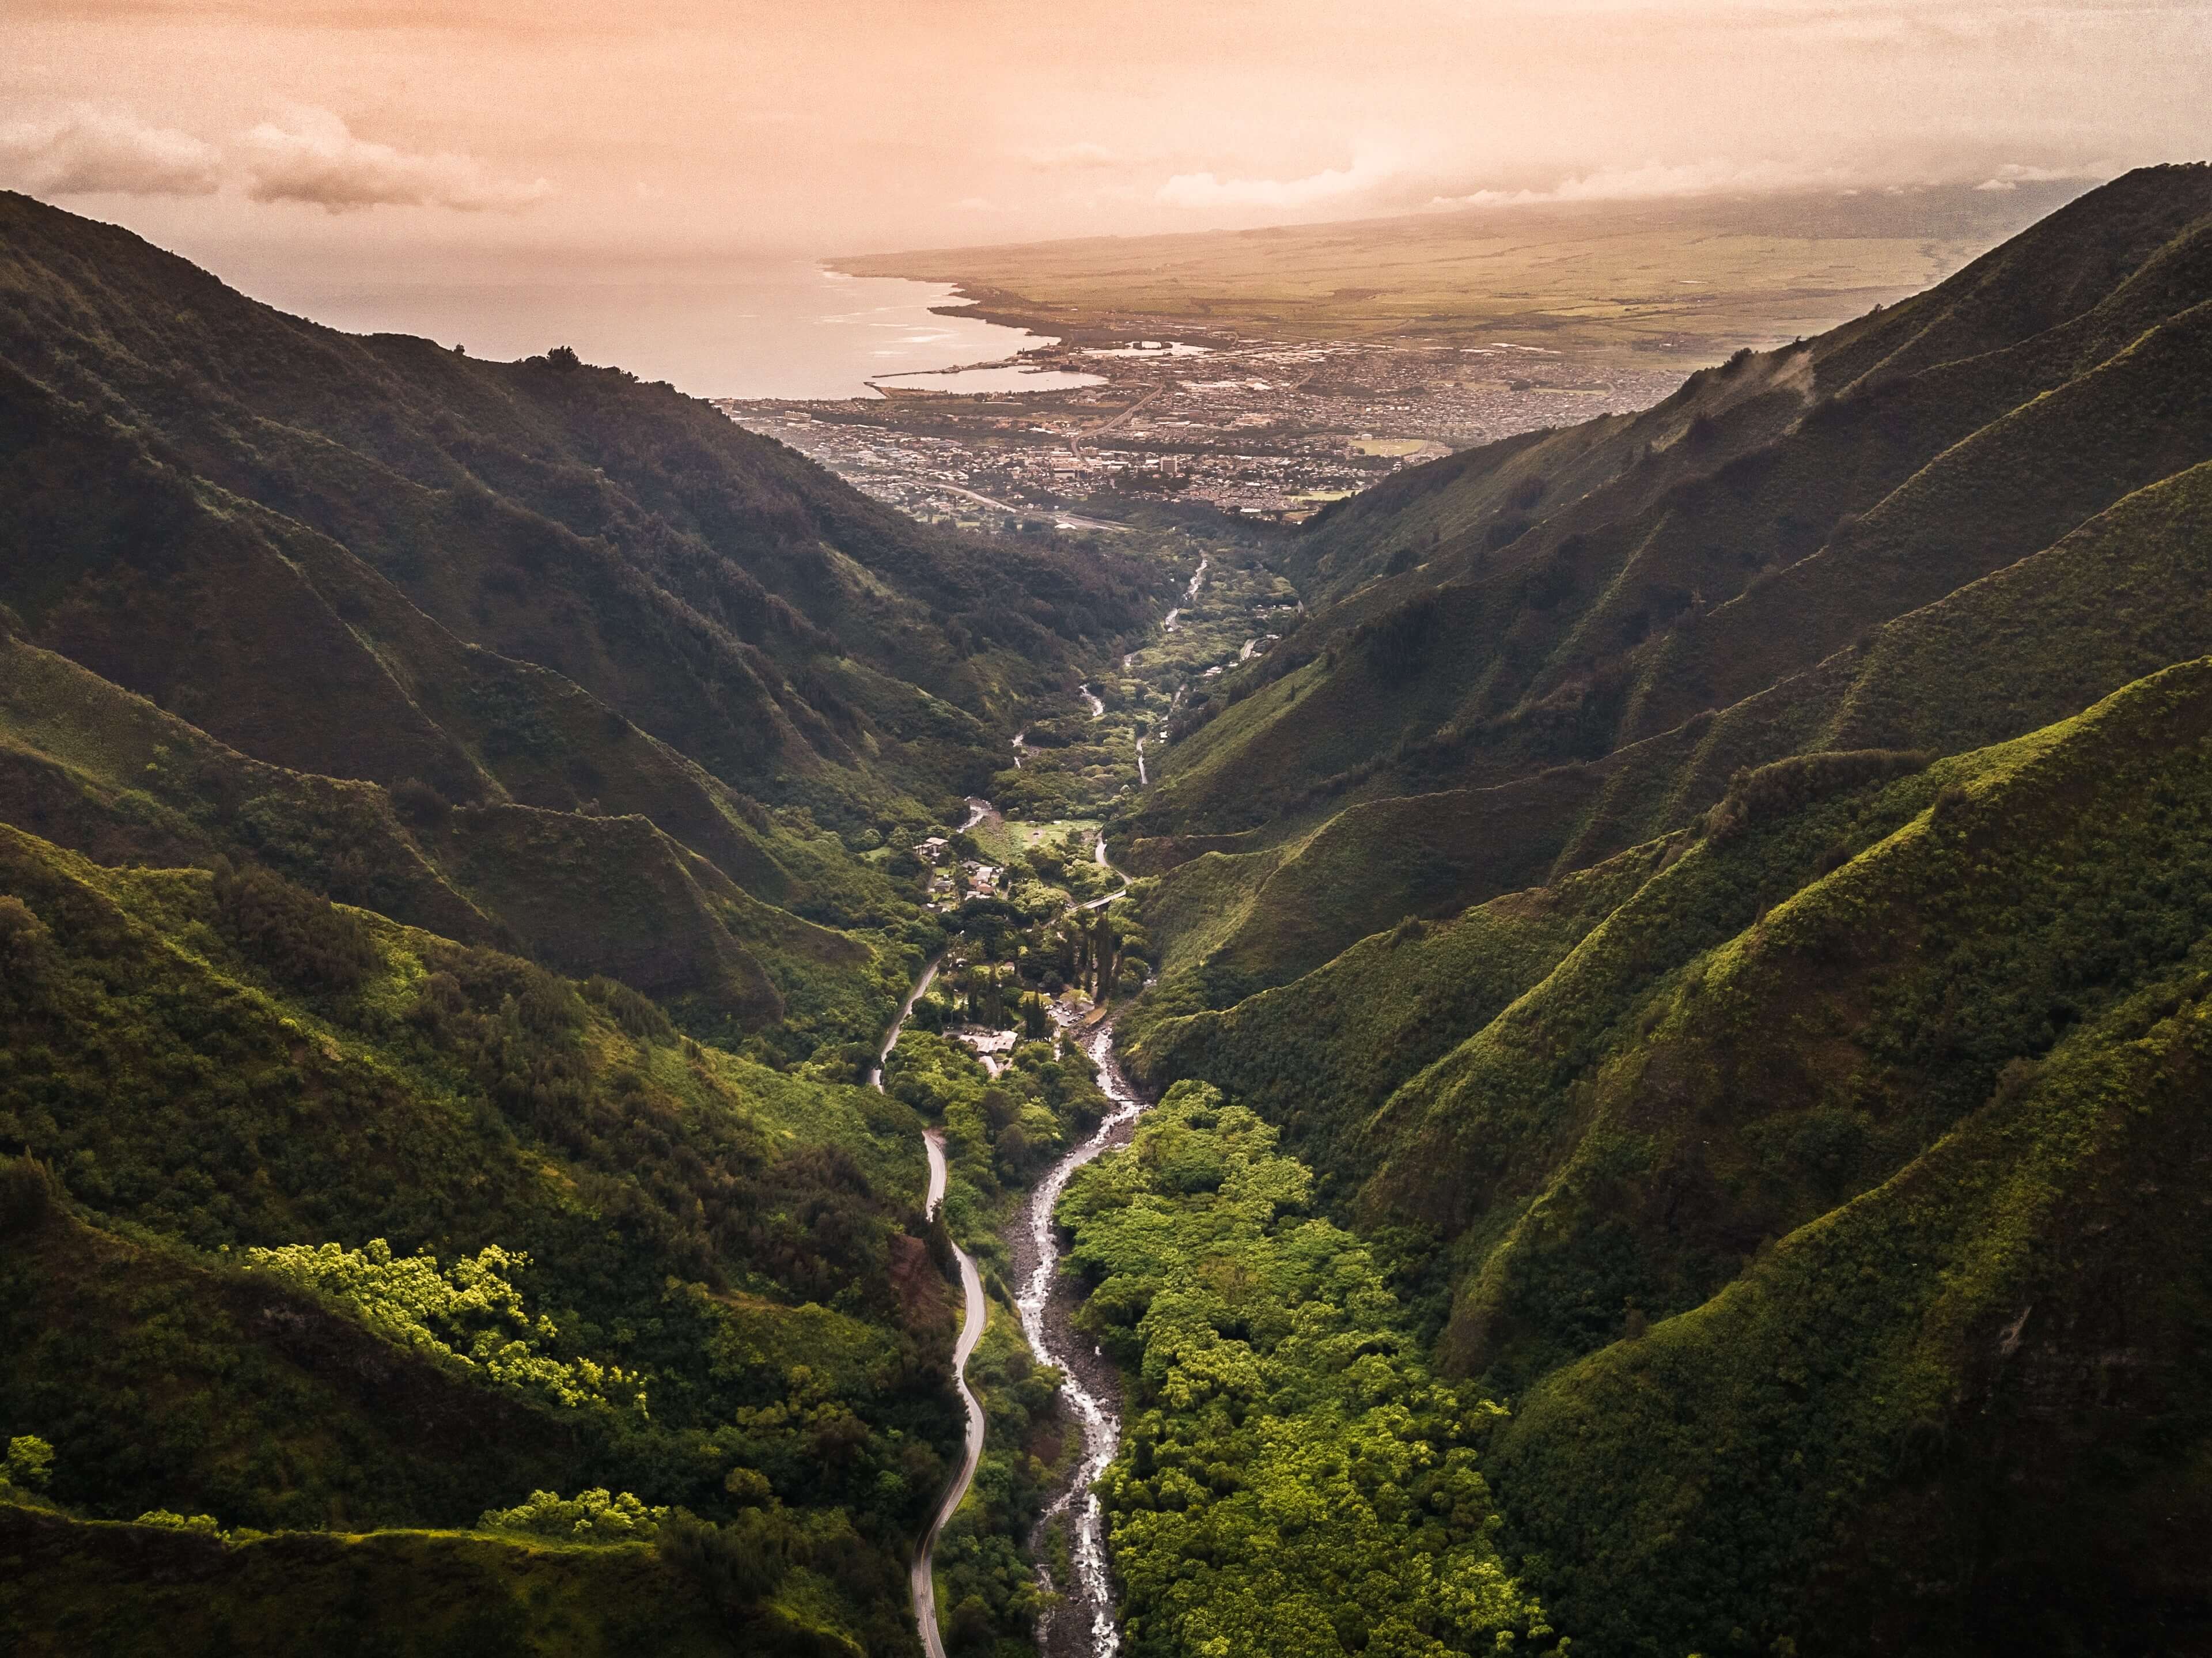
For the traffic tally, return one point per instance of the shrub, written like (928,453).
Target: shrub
(299,937)
(200,1525)
(596,1516)
(471,1311)
(30,1463)
(737,1565)
(419,805)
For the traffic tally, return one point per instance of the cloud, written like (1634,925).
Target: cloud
(1655,181)
(315,157)
(1208,189)
(92,151)
(1074,158)
(2012,175)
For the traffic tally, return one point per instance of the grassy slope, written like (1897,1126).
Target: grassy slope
(1412,686)
(107,1590)
(1629,1139)
(692,1213)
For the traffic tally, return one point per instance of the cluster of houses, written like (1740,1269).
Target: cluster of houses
(951,880)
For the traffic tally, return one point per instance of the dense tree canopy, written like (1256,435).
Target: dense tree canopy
(1293,1481)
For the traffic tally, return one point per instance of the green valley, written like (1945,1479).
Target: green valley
(1601,1050)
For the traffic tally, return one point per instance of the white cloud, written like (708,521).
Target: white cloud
(2012,175)
(315,157)
(1657,181)
(92,151)
(1208,189)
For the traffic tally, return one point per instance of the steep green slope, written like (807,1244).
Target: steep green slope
(710,1256)
(1808,1153)
(1317,1054)
(1960,1413)
(1969,509)
(1500,613)
(483,588)
(96,768)
(1834,1101)
(710,585)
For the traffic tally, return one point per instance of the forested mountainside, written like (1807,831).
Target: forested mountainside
(544,626)
(1722,897)
(1584,635)
(1680,993)
(404,763)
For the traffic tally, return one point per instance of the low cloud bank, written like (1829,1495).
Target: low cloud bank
(310,156)
(315,157)
(89,151)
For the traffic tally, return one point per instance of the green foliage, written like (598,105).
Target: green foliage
(1000,1129)
(1294,1479)
(194,1525)
(29,1465)
(298,938)
(592,1516)
(737,1564)
(469,1312)
(1787,786)
(678,1210)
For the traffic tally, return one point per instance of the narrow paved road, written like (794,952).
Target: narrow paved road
(1092,1596)
(922,1576)
(1076,440)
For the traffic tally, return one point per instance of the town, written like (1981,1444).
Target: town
(1254,429)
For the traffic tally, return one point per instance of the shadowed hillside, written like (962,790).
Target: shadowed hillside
(406,762)
(1724,899)
(480,587)
(1585,633)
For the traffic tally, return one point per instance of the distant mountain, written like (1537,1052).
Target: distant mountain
(1725,896)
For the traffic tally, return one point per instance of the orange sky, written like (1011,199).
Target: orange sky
(464,136)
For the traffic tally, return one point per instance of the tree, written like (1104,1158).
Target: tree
(30,1463)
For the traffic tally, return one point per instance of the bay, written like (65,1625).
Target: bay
(784,328)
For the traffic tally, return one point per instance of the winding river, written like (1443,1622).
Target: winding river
(1081,1621)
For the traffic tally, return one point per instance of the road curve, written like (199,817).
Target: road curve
(922,1576)
(1101,1428)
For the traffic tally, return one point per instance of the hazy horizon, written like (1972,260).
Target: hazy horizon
(383,143)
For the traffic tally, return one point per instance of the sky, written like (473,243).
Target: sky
(453,137)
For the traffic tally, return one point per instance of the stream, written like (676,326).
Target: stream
(1081,1621)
